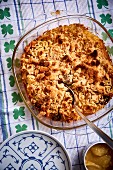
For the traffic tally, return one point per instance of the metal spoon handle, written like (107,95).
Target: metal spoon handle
(98,131)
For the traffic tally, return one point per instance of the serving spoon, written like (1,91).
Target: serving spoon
(97,130)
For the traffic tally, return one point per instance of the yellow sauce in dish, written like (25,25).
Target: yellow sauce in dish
(99,157)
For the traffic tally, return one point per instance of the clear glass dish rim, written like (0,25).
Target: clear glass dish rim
(16,80)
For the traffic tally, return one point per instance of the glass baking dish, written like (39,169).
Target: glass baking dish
(96,28)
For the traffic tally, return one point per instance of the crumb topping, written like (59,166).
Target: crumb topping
(71,54)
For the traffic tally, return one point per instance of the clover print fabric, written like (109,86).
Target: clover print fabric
(15,16)
(12,109)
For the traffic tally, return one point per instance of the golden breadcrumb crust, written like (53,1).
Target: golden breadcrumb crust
(76,56)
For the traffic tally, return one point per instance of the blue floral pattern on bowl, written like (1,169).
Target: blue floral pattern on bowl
(33,150)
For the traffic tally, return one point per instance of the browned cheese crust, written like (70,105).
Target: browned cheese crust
(76,56)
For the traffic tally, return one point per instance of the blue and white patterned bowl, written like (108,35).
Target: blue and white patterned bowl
(33,150)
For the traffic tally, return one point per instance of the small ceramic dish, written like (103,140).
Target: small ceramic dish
(33,150)
(98,156)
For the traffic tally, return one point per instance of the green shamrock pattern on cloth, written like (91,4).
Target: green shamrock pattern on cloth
(16,98)
(101,3)
(110,50)
(9,63)
(105,36)
(111,32)
(7,29)
(3,1)
(19,113)
(9,46)
(5,13)
(20,127)
(11,81)
(106,19)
